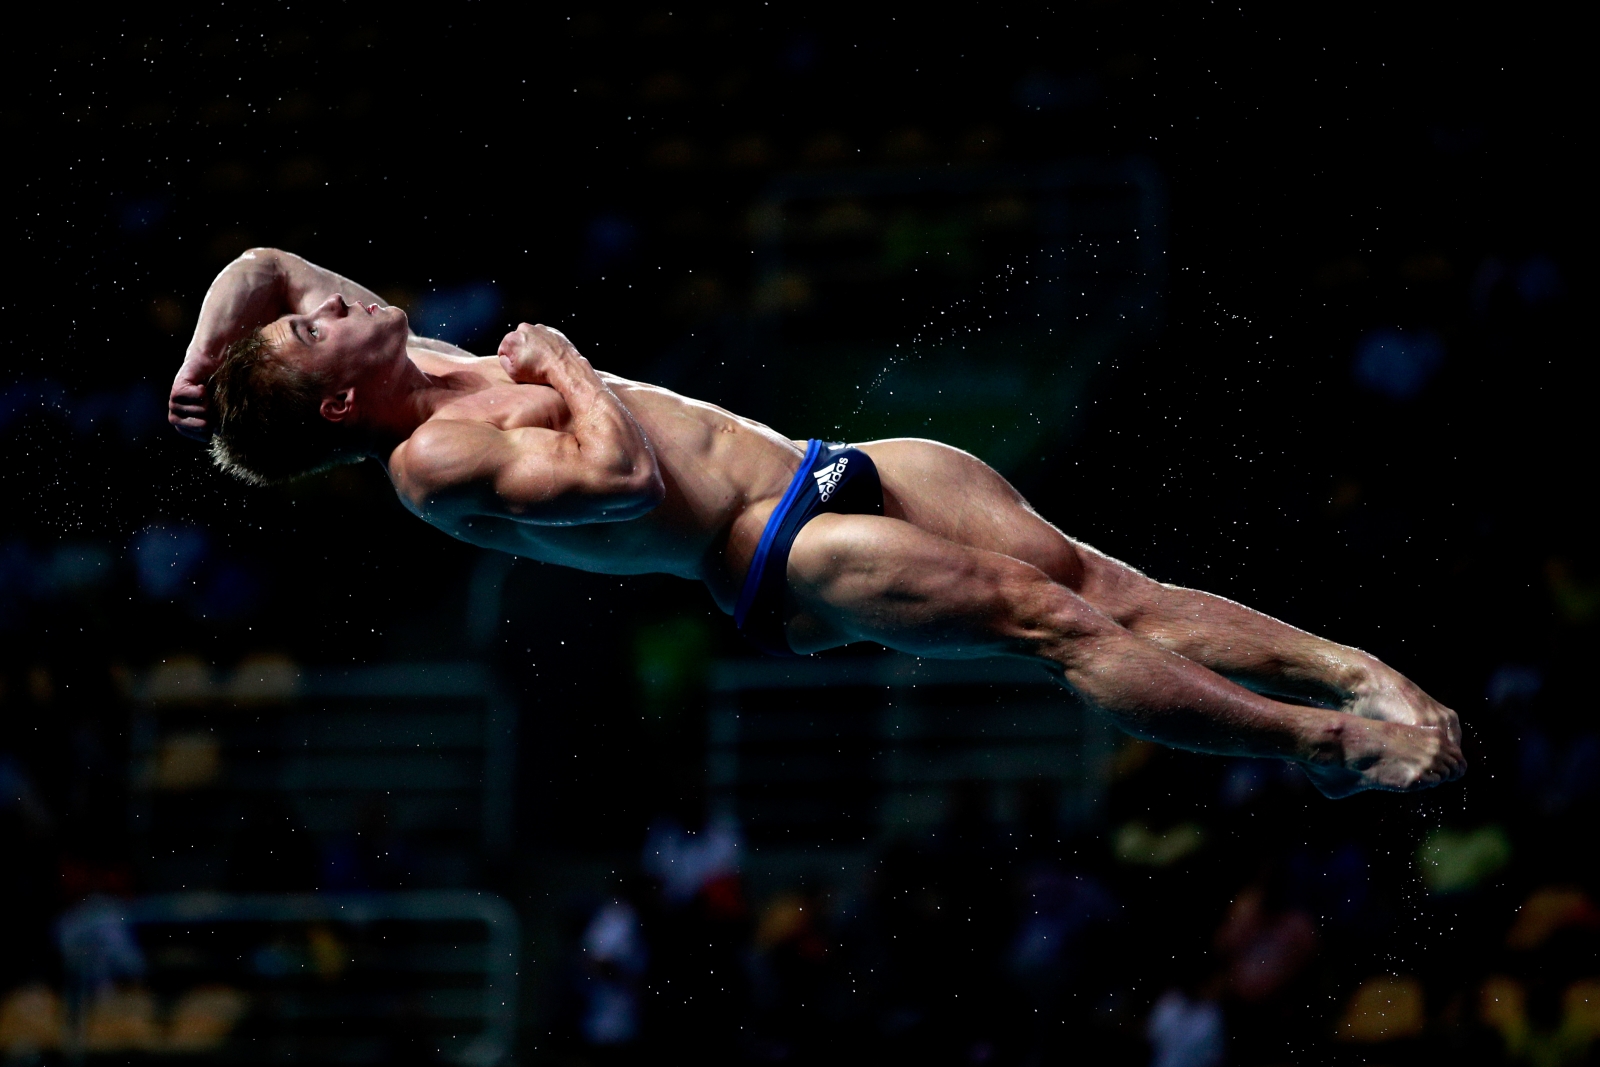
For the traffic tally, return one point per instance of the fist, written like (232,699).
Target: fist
(186,404)
(530,354)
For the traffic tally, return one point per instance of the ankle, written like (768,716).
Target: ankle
(1324,738)
(1362,677)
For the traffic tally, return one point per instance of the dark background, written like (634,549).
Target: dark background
(1355,402)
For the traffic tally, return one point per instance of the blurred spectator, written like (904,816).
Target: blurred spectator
(614,959)
(1184,1032)
(687,862)
(1059,909)
(697,981)
(1452,861)
(1549,911)
(790,975)
(107,965)
(1564,1039)
(1267,942)
(32,1022)
(1557,773)
(1383,1008)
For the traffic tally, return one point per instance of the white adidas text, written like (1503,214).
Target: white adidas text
(829,477)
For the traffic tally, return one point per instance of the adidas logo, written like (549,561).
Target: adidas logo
(829,477)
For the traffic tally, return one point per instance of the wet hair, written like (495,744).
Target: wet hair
(269,427)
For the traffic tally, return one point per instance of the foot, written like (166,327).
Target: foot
(1395,757)
(1388,696)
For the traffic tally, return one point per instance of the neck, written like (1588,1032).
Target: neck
(397,404)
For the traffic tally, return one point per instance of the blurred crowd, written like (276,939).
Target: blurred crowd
(1221,913)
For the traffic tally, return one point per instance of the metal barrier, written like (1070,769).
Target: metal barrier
(346,978)
(822,761)
(427,750)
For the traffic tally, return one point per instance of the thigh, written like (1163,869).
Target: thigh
(956,496)
(872,578)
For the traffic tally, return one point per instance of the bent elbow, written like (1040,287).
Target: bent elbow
(642,494)
(262,253)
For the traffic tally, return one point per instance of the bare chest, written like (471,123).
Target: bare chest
(510,406)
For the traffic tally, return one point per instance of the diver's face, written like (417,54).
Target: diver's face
(341,340)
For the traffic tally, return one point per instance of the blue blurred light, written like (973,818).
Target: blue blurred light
(165,558)
(136,412)
(273,961)
(610,240)
(230,592)
(97,941)
(1513,683)
(457,314)
(1398,363)
(23,397)
(1539,280)
(140,216)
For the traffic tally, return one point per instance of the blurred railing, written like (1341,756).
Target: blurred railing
(426,976)
(823,761)
(410,761)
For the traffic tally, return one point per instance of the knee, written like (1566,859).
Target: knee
(1042,610)
(1057,557)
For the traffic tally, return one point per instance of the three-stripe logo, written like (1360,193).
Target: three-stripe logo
(829,477)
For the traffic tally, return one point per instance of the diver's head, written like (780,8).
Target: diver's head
(340,342)
(291,398)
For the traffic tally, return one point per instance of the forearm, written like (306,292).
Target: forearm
(249,293)
(261,285)
(307,285)
(608,436)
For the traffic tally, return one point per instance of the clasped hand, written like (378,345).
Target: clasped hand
(531,354)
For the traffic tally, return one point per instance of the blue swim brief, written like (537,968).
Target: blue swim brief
(832,477)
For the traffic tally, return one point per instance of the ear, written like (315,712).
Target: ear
(340,406)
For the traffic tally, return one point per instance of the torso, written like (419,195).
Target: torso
(724,474)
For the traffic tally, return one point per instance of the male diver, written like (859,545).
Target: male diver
(809,545)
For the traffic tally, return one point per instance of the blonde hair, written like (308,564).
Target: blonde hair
(269,427)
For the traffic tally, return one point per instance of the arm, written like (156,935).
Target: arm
(254,289)
(602,435)
(600,469)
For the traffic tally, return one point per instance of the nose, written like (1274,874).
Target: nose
(336,305)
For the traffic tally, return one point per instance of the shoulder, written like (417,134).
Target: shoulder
(441,456)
